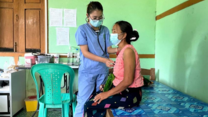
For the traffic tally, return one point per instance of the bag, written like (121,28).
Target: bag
(147,82)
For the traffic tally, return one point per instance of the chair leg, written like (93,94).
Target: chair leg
(73,107)
(41,110)
(45,112)
(65,110)
(62,111)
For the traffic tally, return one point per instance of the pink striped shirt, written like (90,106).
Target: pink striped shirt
(119,69)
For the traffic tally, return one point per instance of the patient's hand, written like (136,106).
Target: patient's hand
(101,96)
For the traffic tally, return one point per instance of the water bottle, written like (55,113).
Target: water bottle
(6,67)
(74,56)
(56,58)
(69,56)
(78,58)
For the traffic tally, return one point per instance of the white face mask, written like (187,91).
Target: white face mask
(114,39)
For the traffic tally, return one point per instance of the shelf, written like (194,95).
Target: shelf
(29,67)
(5,89)
(5,79)
(74,67)
(6,115)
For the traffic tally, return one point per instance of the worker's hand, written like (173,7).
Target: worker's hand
(100,97)
(109,62)
(118,49)
(111,70)
(102,87)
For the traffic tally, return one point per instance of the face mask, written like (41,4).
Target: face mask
(96,23)
(114,39)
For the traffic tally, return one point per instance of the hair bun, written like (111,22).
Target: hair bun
(135,35)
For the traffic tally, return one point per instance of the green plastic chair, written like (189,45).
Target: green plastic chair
(51,75)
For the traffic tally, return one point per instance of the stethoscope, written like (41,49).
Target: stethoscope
(104,50)
(98,33)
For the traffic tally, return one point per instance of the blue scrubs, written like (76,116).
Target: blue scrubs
(91,72)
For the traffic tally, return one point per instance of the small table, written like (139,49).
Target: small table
(29,67)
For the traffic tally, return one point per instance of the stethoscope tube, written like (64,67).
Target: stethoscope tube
(98,33)
(104,50)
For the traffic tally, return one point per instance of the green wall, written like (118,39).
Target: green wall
(140,13)
(181,48)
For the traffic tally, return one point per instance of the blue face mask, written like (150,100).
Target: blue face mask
(114,39)
(96,23)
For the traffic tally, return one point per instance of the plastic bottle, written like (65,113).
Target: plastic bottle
(77,57)
(56,58)
(69,56)
(5,67)
(11,62)
(73,56)
(18,63)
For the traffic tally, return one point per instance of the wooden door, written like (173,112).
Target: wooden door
(8,25)
(32,26)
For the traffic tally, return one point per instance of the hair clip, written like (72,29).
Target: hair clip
(135,30)
(133,38)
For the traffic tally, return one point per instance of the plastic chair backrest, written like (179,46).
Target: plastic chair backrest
(52,75)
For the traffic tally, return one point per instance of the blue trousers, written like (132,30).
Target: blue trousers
(86,85)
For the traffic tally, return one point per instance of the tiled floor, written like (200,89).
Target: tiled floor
(51,113)
(162,101)
(158,101)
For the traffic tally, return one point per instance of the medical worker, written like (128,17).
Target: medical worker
(94,42)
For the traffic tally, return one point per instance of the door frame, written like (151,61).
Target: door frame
(46,27)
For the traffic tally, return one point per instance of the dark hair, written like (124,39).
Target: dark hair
(94,6)
(132,35)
